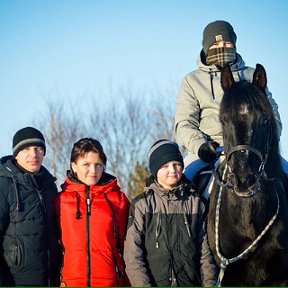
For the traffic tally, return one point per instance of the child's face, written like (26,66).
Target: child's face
(169,174)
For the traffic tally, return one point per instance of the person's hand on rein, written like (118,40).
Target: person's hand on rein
(207,151)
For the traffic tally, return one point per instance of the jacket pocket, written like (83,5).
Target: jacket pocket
(119,268)
(17,254)
(13,254)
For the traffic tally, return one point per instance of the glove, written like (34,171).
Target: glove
(207,151)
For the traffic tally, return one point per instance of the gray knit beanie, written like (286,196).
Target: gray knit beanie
(218,31)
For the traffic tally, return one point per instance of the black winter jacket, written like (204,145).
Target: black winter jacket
(166,243)
(29,251)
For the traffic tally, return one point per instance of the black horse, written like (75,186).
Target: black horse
(248,214)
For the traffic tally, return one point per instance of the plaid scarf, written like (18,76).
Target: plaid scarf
(221,56)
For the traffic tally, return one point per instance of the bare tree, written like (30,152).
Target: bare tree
(123,129)
(61,130)
(126,128)
(162,113)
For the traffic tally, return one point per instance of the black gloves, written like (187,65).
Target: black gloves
(207,151)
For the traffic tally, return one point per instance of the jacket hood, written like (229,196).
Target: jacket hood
(106,184)
(6,167)
(239,64)
(9,168)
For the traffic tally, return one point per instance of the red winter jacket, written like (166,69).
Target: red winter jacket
(92,221)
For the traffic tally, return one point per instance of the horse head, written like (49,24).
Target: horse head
(248,126)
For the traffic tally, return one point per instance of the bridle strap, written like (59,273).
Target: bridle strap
(244,148)
(250,149)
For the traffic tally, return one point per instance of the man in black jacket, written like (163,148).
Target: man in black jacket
(30,254)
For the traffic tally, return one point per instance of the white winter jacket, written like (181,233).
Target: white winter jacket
(198,104)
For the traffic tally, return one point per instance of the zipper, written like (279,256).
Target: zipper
(88,213)
(42,202)
(173,278)
(187,225)
(158,228)
(211,84)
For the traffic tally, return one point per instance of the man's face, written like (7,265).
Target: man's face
(30,158)
(221,44)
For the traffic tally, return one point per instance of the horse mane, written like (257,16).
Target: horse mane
(244,92)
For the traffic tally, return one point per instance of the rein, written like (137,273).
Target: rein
(225,261)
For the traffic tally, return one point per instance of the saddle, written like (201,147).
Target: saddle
(202,181)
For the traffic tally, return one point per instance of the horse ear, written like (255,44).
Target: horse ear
(227,79)
(259,77)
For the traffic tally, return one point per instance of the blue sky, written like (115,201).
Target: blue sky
(76,48)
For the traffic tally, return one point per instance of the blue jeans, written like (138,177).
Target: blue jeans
(192,169)
(285,165)
(193,165)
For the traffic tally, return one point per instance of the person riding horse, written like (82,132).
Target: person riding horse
(197,127)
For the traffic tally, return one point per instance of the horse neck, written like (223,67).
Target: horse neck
(266,204)
(273,167)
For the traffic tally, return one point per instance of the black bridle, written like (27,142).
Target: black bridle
(245,148)
(251,190)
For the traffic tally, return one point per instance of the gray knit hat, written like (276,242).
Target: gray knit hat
(162,152)
(26,137)
(218,31)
